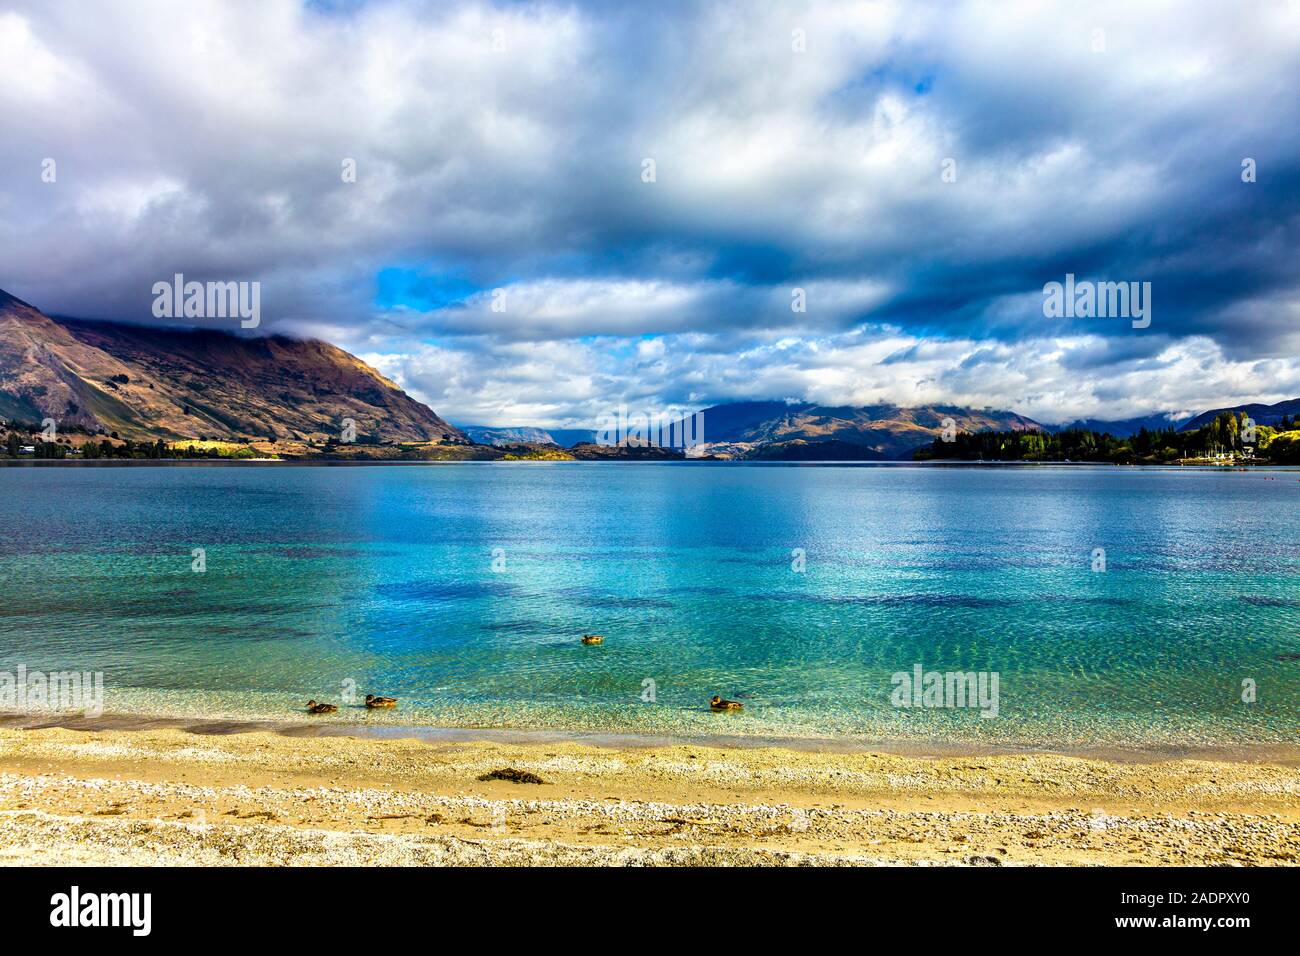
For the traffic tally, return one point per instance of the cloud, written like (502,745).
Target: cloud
(1051,379)
(501,147)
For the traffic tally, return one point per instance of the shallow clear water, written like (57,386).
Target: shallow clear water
(321,579)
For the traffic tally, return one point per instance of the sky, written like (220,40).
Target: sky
(558,208)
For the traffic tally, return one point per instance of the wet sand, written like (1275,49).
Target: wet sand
(1281,754)
(166,795)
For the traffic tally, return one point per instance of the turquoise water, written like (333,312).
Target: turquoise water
(381,579)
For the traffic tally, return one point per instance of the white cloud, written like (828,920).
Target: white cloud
(1051,379)
(207,138)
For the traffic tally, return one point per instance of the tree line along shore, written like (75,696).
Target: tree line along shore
(21,440)
(1231,438)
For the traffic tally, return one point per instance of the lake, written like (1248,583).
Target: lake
(801,591)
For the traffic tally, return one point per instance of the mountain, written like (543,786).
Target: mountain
(568,437)
(1120,428)
(803,431)
(512,435)
(150,382)
(1261,414)
(738,421)
(487,435)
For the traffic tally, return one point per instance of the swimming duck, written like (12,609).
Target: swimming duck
(592,639)
(717,703)
(315,708)
(373,700)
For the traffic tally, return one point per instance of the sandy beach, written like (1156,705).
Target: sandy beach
(172,797)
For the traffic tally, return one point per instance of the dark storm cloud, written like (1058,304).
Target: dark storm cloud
(500,147)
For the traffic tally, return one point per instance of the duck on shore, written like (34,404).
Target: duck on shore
(315,708)
(717,703)
(373,700)
(593,639)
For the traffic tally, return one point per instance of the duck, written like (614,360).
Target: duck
(373,700)
(592,639)
(717,703)
(315,708)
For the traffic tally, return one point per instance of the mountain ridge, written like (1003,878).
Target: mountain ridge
(776,429)
(159,382)
(1260,413)
(1121,427)
(525,434)
(802,430)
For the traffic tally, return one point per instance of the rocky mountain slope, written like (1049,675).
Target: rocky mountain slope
(149,382)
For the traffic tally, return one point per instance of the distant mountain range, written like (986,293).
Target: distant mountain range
(804,431)
(1120,428)
(501,436)
(150,382)
(1260,414)
(485,435)
(1127,427)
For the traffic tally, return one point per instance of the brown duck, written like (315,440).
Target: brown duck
(717,703)
(373,700)
(593,639)
(315,708)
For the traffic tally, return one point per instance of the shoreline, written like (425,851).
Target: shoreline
(166,796)
(1277,754)
(1196,465)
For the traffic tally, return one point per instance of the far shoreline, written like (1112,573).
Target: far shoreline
(715,462)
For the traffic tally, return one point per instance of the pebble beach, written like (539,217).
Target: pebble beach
(178,798)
